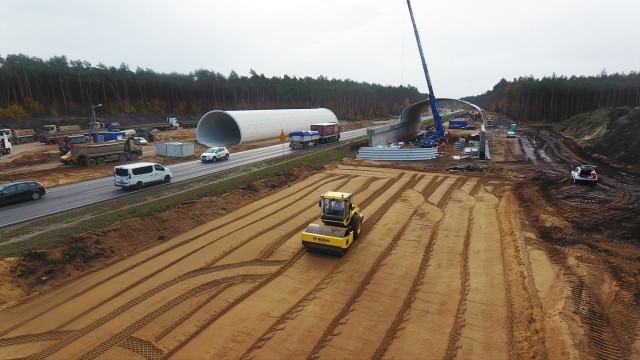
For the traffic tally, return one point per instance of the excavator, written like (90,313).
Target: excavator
(341,224)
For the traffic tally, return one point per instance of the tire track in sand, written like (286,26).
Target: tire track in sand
(169,282)
(211,263)
(143,261)
(300,308)
(77,334)
(377,307)
(432,303)
(459,322)
(485,334)
(348,307)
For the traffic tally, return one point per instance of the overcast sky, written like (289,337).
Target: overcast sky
(469,44)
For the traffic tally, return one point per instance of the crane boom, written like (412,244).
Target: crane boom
(432,98)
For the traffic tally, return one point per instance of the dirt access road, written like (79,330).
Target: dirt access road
(472,265)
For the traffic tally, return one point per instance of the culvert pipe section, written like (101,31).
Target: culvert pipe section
(224,128)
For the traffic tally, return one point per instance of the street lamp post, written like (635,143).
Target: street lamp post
(93,120)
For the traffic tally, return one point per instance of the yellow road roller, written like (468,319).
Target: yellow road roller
(341,224)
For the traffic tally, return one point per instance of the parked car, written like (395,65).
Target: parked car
(511,134)
(214,154)
(16,191)
(141,140)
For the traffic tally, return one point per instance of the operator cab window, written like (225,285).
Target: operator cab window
(334,207)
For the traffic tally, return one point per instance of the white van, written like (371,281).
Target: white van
(140,174)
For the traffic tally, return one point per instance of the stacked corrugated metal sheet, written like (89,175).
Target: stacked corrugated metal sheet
(459,145)
(395,154)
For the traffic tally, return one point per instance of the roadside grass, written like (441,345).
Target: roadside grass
(52,231)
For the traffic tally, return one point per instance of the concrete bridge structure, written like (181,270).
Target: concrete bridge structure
(409,125)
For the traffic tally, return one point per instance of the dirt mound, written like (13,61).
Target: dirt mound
(611,134)
(621,142)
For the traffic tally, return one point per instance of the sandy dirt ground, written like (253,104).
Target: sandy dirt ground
(511,262)
(41,161)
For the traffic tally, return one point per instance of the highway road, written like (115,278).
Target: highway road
(68,197)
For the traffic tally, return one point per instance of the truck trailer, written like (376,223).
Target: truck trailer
(458,124)
(319,134)
(23,135)
(66,143)
(303,139)
(329,132)
(169,124)
(98,154)
(104,136)
(51,134)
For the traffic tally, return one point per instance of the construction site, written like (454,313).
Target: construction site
(524,246)
(500,259)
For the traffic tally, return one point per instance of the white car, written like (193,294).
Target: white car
(137,175)
(214,154)
(141,140)
(511,134)
(586,173)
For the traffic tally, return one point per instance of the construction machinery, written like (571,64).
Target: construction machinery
(99,154)
(341,224)
(5,144)
(430,138)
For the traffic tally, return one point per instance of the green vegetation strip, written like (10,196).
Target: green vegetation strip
(587,124)
(56,230)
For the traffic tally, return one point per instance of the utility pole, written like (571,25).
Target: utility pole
(93,121)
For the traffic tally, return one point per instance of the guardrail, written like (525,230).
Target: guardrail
(395,154)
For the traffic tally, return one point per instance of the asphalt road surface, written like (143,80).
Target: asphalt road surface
(63,198)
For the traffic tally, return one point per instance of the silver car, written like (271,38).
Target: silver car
(214,154)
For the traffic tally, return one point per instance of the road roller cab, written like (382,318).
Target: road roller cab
(341,224)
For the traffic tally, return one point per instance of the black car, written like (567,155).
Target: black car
(20,191)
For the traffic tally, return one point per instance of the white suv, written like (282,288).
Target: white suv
(214,154)
(586,173)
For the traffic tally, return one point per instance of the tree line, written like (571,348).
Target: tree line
(557,98)
(31,87)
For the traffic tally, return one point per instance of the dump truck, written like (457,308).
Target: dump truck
(98,154)
(66,143)
(57,129)
(341,224)
(5,144)
(23,135)
(8,133)
(51,134)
